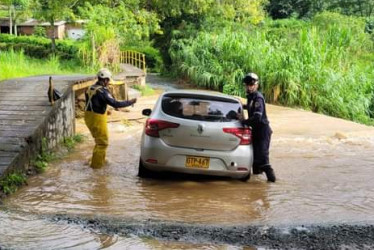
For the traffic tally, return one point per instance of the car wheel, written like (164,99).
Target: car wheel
(143,172)
(246,178)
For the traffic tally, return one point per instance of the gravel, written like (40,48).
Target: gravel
(342,236)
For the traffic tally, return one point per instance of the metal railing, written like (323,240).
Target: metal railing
(134,58)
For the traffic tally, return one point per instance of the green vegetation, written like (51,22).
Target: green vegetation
(11,182)
(45,156)
(16,64)
(3,13)
(314,54)
(71,142)
(40,47)
(41,161)
(145,90)
(322,65)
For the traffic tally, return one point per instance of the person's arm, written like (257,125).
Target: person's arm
(109,99)
(255,118)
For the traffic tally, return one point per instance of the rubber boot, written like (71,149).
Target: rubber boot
(270,175)
(256,170)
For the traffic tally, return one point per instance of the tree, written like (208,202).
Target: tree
(16,9)
(21,11)
(287,8)
(52,11)
(364,8)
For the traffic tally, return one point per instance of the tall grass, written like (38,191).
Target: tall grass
(16,64)
(325,65)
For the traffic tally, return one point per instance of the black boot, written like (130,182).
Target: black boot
(256,170)
(270,175)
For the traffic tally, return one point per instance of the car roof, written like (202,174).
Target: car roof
(200,92)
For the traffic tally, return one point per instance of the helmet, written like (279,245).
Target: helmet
(104,73)
(250,78)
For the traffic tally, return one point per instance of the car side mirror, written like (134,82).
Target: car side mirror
(147,112)
(244,106)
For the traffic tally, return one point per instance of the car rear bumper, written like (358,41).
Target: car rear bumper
(184,170)
(158,156)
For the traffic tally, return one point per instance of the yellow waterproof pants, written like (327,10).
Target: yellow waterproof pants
(97,124)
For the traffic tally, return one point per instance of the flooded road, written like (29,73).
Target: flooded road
(324,170)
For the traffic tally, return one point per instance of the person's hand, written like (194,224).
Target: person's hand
(133,100)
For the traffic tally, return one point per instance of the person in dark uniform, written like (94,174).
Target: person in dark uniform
(95,116)
(261,131)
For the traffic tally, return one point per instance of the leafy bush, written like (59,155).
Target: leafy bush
(40,47)
(40,31)
(71,142)
(11,182)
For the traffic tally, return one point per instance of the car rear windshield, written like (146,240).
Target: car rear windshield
(202,108)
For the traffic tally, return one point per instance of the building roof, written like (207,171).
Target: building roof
(34,22)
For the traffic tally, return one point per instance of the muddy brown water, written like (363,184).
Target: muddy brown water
(324,168)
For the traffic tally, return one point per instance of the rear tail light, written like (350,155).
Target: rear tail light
(153,161)
(244,134)
(153,126)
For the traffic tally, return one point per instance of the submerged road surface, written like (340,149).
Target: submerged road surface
(324,168)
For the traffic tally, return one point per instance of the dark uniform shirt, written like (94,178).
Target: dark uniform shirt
(256,110)
(101,98)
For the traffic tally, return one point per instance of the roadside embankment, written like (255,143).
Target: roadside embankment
(273,237)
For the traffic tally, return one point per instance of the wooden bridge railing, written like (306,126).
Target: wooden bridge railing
(134,58)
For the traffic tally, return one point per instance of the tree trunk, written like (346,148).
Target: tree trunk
(10,20)
(53,37)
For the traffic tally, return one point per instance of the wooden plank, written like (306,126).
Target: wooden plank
(17,134)
(20,122)
(24,99)
(22,112)
(21,117)
(17,127)
(23,94)
(18,103)
(10,148)
(6,160)
(12,141)
(24,108)
(8,154)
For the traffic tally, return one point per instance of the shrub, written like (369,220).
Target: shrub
(40,47)
(11,182)
(40,31)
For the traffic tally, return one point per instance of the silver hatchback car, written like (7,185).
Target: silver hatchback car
(196,132)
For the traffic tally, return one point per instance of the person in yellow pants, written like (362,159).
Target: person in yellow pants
(95,116)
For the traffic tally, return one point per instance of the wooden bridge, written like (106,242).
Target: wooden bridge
(27,116)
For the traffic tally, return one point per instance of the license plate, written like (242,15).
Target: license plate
(197,162)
